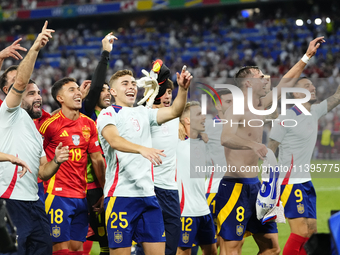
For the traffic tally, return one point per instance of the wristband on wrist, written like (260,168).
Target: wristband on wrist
(55,161)
(305,59)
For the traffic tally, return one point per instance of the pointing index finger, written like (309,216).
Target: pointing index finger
(16,41)
(45,26)
(184,68)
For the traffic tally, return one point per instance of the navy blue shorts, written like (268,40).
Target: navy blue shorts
(211,200)
(299,200)
(33,228)
(68,218)
(197,230)
(169,202)
(236,211)
(133,218)
(41,192)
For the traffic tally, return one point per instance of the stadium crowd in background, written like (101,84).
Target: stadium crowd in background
(214,53)
(213,49)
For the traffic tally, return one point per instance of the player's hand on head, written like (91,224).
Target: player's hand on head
(12,51)
(43,37)
(108,41)
(314,45)
(184,78)
(85,88)
(24,167)
(260,150)
(61,153)
(153,155)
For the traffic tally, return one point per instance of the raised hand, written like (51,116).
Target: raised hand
(85,88)
(184,78)
(61,153)
(43,37)
(107,41)
(314,45)
(12,51)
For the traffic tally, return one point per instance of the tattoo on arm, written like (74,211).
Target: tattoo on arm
(18,91)
(332,102)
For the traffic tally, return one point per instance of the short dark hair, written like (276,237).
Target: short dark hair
(299,79)
(244,72)
(3,77)
(291,95)
(221,92)
(29,82)
(58,85)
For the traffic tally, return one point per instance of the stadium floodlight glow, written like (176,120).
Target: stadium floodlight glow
(299,22)
(328,20)
(257,10)
(317,21)
(309,21)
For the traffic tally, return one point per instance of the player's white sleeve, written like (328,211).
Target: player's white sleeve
(278,131)
(152,113)
(8,115)
(106,117)
(319,109)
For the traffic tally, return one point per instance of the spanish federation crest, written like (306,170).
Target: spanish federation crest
(76,139)
(239,230)
(118,236)
(165,129)
(86,133)
(56,231)
(300,208)
(185,237)
(135,124)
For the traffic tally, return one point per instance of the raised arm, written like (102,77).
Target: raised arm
(26,66)
(111,135)
(11,51)
(48,169)
(334,100)
(290,78)
(99,75)
(231,140)
(175,110)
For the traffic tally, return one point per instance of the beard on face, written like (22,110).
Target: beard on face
(29,109)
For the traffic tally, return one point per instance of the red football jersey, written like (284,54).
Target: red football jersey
(82,138)
(38,122)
